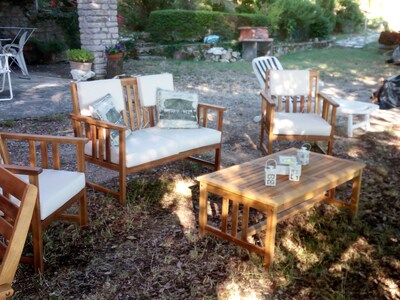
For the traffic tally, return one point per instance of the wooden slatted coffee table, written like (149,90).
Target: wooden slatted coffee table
(242,187)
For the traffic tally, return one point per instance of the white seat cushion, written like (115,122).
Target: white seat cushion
(142,147)
(300,124)
(56,187)
(188,139)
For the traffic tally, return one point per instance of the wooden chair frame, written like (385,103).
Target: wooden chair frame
(14,226)
(137,117)
(281,103)
(48,158)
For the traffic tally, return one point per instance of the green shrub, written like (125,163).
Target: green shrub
(136,12)
(291,19)
(80,55)
(189,25)
(320,27)
(349,17)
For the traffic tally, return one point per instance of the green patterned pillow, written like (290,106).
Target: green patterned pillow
(177,109)
(104,109)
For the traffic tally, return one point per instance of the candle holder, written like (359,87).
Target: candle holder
(303,154)
(270,172)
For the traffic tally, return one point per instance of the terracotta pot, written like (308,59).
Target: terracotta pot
(115,56)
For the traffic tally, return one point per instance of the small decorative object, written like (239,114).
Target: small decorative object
(284,162)
(303,154)
(294,172)
(270,172)
(115,54)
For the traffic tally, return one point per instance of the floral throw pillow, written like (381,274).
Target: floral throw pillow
(177,109)
(104,109)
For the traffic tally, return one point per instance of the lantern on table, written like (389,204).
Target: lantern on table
(294,172)
(303,154)
(270,172)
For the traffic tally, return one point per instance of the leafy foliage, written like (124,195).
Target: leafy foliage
(173,25)
(80,55)
(291,19)
(349,17)
(136,12)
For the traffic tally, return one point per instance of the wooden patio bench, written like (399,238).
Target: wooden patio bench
(141,142)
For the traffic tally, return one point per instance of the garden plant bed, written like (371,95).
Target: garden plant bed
(150,249)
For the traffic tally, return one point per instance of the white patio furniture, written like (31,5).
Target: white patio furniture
(18,37)
(5,78)
(349,108)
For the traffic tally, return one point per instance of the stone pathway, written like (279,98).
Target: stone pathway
(358,41)
(39,96)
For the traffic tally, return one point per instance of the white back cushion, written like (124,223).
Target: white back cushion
(148,85)
(289,82)
(90,91)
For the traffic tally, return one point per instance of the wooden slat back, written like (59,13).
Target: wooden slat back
(298,104)
(15,221)
(135,116)
(44,151)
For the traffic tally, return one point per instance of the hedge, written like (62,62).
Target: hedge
(192,25)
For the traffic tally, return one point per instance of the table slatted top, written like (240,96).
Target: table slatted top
(248,179)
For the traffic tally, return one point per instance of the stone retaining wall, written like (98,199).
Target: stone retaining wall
(282,49)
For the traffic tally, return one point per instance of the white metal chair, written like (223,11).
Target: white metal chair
(17,53)
(5,75)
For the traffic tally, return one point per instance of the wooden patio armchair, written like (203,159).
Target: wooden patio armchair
(60,185)
(146,146)
(293,109)
(14,225)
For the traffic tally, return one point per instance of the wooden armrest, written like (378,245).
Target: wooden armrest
(6,291)
(25,170)
(43,138)
(328,99)
(267,99)
(210,106)
(205,108)
(99,123)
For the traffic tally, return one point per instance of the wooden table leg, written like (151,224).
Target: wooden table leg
(203,209)
(269,247)
(355,194)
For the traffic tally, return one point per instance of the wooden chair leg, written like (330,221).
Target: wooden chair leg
(83,212)
(217,159)
(122,186)
(269,144)
(330,146)
(37,242)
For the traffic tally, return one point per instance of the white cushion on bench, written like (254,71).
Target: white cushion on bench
(148,85)
(300,124)
(56,187)
(142,147)
(91,91)
(188,139)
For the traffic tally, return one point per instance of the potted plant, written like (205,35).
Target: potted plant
(115,51)
(115,54)
(80,59)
